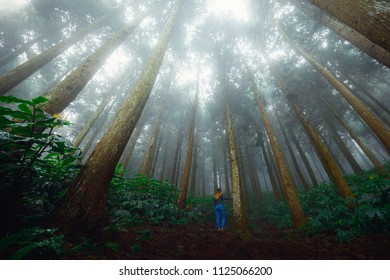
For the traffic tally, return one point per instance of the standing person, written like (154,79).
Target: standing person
(220,214)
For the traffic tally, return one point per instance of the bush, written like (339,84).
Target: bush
(327,211)
(139,200)
(35,163)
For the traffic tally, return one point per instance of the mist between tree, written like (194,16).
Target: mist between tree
(125,116)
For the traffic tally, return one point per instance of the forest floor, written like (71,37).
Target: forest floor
(203,242)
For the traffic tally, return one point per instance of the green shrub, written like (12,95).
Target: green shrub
(35,163)
(327,211)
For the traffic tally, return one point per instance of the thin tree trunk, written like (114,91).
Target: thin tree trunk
(194,171)
(270,170)
(181,201)
(215,172)
(68,89)
(351,35)
(85,204)
(371,18)
(376,126)
(355,137)
(156,152)
(12,55)
(344,149)
(296,211)
(371,97)
(80,137)
(322,151)
(129,151)
(292,155)
(226,172)
(304,159)
(176,160)
(23,71)
(147,163)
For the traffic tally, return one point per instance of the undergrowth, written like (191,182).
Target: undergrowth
(326,211)
(37,165)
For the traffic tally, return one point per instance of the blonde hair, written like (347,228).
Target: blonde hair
(217,193)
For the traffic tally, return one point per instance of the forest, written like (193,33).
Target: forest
(119,119)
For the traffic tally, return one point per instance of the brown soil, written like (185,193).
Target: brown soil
(201,242)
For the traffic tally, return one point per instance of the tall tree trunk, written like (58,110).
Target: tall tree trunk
(351,35)
(156,152)
(181,201)
(238,202)
(344,149)
(194,171)
(23,71)
(176,159)
(355,137)
(147,163)
(292,155)
(270,170)
(296,211)
(376,126)
(365,95)
(371,18)
(131,145)
(203,177)
(329,163)
(80,137)
(85,204)
(68,89)
(304,159)
(12,55)
(226,173)
(215,171)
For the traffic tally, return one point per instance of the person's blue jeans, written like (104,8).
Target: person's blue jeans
(220,216)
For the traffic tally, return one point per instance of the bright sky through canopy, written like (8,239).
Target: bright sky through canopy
(236,9)
(12,5)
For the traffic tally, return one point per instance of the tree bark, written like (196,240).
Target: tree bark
(322,151)
(292,155)
(181,201)
(376,126)
(80,137)
(66,91)
(371,18)
(271,172)
(85,204)
(297,216)
(355,137)
(194,171)
(147,163)
(344,149)
(132,142)
(177,157)
(226,173)
(304,159)
(238,202)
(351,35)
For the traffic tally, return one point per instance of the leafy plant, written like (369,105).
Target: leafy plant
(35,162)
(327,211)
(140,199)
(22,244)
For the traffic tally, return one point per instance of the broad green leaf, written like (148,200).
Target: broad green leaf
(68,161)
(4,122)
(39,100)
(19,115)
(13,99)
(25,108)
(25,250)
